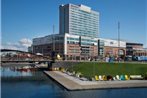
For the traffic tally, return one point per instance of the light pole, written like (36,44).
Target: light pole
(53,38)
(118,39)
(53,47)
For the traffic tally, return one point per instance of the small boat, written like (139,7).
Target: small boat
(26,68)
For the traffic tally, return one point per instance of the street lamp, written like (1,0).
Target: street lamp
(53,48)
(118,39)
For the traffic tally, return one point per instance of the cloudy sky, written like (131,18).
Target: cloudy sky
(22,44)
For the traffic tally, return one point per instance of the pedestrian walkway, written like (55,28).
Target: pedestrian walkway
(72,83)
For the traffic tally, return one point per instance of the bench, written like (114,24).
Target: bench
(136,77)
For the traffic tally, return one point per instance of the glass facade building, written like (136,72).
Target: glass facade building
(79,20)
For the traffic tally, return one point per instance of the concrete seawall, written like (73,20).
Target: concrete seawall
(72,83)
(65,64)
(16,64)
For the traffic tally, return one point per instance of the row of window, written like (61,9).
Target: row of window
(83,26)
(88,25)
(74,50)
(72,42)
(74,47)
(89,40)
(84,31)
(81,23)
(84,21)
(83,34)
(80,17)
(89,31)
(77,39)
(82,43)
(101,43)
(84,18)
(86,43)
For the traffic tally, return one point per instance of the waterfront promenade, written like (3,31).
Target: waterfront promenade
(72,83)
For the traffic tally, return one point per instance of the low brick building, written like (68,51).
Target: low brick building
(135,49)
(109,47)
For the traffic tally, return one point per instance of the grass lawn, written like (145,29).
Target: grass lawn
(90,69)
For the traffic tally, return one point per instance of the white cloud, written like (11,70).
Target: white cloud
(25,42)
(22,45)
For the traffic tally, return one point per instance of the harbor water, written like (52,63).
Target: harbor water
(35,84)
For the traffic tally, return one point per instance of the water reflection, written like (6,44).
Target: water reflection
(12,71)
(108,93)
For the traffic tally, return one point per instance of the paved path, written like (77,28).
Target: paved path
(72,83)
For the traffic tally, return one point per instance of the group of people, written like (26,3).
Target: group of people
(112,59)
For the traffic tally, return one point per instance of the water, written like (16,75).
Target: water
(15,84)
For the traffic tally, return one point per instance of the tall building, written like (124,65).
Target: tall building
(78,34)
(80,25)
(78,37)
(78,20)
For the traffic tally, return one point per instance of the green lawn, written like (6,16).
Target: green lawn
(90,69)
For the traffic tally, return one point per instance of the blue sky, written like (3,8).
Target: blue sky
(27,19)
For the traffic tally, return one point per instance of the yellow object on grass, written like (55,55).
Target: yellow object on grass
(127,77)
(104,77)
(96,78)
